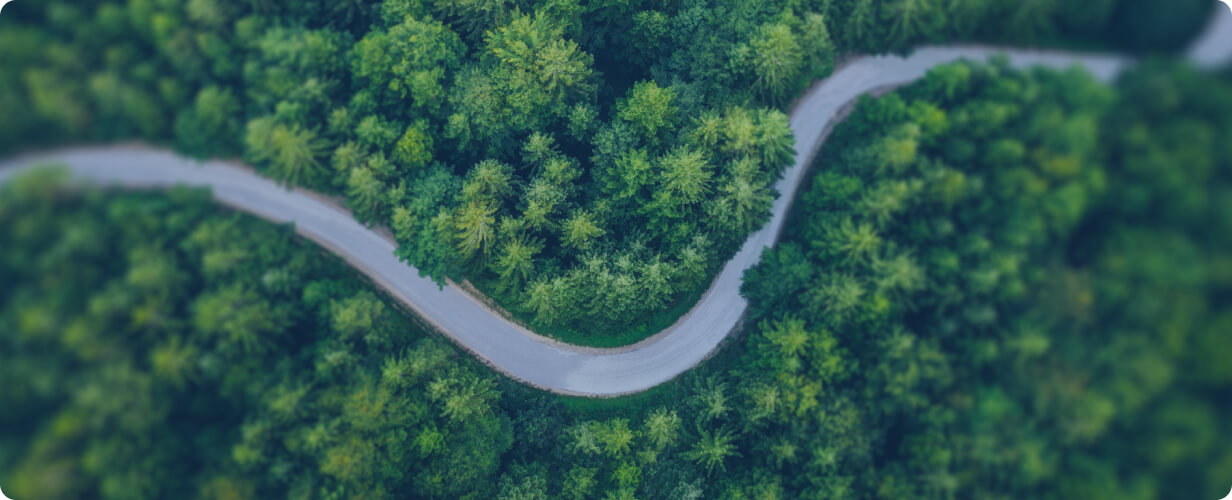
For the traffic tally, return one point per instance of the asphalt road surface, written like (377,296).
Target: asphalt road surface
(507,347)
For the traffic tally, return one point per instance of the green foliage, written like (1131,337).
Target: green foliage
(408,63)
(527,79)
(279,371)
(292,152)
(957,305)
(774,56)
(475,226)
(414,149)
(1007,283)
(998,285)
(713,448)
(211,126)
(630,130)
(648,109)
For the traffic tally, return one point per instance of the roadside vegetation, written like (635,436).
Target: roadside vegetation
(154,347)
(587,165)
(1004,285)
(997,284)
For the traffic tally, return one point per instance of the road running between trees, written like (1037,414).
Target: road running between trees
(507,346)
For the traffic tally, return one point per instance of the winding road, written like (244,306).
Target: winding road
(508,347)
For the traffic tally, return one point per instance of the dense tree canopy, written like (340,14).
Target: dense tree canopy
(639,135)
(997,284)
(197,353)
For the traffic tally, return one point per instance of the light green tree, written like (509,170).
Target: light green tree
(414,149)
(615,437)
(662,428)
(713,449)
(581,230)
(365,193)
(475,225)
(290,151)
(409,62)
(685,176)
(517,260)
(775,59)
(649,108)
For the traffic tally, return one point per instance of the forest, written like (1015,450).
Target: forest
(586,165)
(996,284)
(156,348)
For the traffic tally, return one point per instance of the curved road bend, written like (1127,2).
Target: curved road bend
(509,348)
